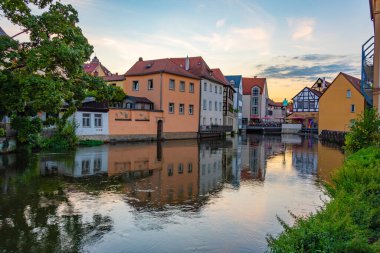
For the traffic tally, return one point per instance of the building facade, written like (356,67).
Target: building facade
(237,82)
(255,99)
(375,16)
(172,90)
(340,104)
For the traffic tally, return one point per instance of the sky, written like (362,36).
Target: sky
(290,42)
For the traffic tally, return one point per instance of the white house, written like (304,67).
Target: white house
(255,99)
(237,82)
(211,90)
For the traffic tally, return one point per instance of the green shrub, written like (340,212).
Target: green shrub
(28,129)
(350,222)
(64,139)
(365,132)
(2,132)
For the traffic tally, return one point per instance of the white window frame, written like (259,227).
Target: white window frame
(191,109)
(182,86)
(171,108)
(150,84)
(98,120)
(171,84)
(135,85)
(191,88)
(88,120)
(181,108)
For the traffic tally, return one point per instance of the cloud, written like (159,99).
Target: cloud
(302,28)
(220,23)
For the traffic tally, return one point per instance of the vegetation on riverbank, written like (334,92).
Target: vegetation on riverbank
(350,222)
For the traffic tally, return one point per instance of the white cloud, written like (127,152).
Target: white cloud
(220,23)
(302,28)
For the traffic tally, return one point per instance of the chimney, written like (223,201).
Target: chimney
(140,59)
(187,64)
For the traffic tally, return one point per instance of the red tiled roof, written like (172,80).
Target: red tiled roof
(249,83)
(166,65)
(113,78)
(217,73)
(272,103)
(91,66)
(353,80)
(198,67)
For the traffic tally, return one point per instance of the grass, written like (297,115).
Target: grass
(350,222)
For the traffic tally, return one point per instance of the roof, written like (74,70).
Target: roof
(166,65)
(249,83)
(273,103)
(141,100)
(2,33)
(90,105)
(197,67)
(236,79)
(315,85)
(91,66)
(317,93)
(114,78)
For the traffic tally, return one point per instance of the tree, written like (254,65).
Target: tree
(46,72)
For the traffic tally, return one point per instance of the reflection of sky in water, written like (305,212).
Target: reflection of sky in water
(182,196)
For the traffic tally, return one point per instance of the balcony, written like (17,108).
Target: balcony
(367,70)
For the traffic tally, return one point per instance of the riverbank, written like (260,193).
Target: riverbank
(350,222)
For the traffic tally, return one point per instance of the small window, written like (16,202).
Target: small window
(220,106)
(150,84)
(348,94)
(191,88)
(85,167)
(352,108)
(113,84)
(182,86)
(171,84)
(97,164)
(189,167)
(181,108)
(170,170)
(204,104)
(191,109)
(205,86)
(209,105)
(86,117)
(216,89)
(180,168)
(216,106)
(98,120)
(135,85)
(171,107)
(220,90)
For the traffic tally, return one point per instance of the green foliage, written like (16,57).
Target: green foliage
(45,72)
(64,139)
(2,132)
(365,132)
(348,223)
(28,129)
(90,143)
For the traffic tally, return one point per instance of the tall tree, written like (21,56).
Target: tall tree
(45,72)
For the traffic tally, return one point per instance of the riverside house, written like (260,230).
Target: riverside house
(174,95)
(211,97)
(255,99)
(340,104)
(237,82)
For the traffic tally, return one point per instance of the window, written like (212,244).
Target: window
(170,170)
(97,164)
(352,108)
(191,109)
(171,107)
(204,104)
(306,105)
(171,84)
(216,106)
(182,86)
(181,108)
(135,85)
(255,110)
(255,91)
(86,117)
(191,88)
(180,168)
(216,89)
(209,105)
(98,120)
(220,106)
(220,90)
(150,84)
(189,167)
(255,101)
(85,167)
(205,86)
(348,94)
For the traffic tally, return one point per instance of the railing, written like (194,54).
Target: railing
(216,128)
(367,69)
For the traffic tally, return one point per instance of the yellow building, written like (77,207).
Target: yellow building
(340,104)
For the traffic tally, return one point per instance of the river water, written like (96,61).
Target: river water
(175,196)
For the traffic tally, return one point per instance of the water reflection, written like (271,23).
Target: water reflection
(223,194)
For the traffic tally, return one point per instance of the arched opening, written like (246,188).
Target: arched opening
(159,129)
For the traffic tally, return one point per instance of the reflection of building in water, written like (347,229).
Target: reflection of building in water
(305,158)
(236,161)
(84,162)
(163,173)
(211,169)
(255,154)
(330,158)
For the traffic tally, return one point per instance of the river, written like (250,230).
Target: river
(175,196)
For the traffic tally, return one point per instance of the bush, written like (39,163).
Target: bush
(28,129)
(64,139)
(365,132)
(2,132)
(348,223)
(90,143)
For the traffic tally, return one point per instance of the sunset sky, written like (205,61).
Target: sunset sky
(291,42)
